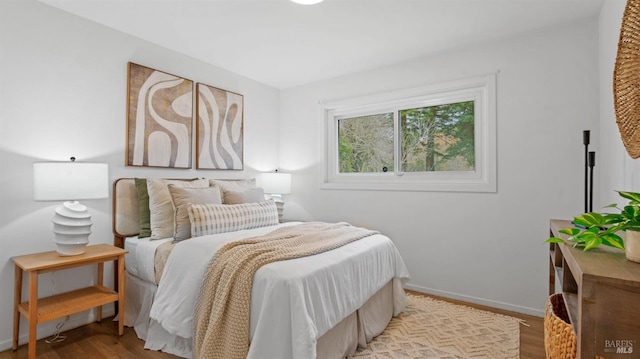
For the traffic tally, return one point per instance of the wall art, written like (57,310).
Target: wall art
(219,128)
(626,92)
(159,118)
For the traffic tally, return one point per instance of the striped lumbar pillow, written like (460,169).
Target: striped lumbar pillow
(220,218)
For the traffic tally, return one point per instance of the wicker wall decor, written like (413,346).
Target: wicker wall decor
(626,79)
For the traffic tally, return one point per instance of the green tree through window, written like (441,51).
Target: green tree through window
(438,138)
(366,143)
(434,138)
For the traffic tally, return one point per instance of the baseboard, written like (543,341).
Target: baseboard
(49,328)
(476,300)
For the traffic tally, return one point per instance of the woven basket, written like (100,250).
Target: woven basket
(559,337)
(626,79)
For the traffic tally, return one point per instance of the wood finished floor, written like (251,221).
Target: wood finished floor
(100,340)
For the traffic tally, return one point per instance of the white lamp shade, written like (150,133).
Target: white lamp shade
(70,181)
(276,183)
(307,2)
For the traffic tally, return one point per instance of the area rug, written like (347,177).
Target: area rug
(432,328)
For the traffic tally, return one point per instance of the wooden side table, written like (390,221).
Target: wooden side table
(44,309)
(601,291)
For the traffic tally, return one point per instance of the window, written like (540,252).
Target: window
(435,138)
(365,143)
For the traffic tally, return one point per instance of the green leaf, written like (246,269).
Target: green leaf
(631,212)
(611,218)
(589,219)
(612,205)
(570,231)
(554,240)
(632,196)
(592,243)
(613,240)
(616,227)
(591,231)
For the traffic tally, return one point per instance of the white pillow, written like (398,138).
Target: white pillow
(220,218)
(233,185)
(161,207)
(182,198)
(246,196)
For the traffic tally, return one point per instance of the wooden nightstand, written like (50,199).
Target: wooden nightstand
(60,305)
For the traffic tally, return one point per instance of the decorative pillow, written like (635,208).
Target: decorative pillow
(143,207)
(233,185)
(221,218)
(182,198)
(247,196)
(161,207)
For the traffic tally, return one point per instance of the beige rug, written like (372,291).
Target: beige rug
(431,328)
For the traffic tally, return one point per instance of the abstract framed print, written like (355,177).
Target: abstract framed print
(159,118)
(219,128)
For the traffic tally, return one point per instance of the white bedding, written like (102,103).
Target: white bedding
(140,259)
(293,302)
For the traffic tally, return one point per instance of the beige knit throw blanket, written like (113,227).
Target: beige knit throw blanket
(221,320)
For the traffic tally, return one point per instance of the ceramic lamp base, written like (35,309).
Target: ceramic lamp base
(71,227)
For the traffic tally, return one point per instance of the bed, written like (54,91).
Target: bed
(317,306)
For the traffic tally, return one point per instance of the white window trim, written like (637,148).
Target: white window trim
(481,89)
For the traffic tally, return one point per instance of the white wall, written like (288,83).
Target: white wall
(481,247)
(63,84)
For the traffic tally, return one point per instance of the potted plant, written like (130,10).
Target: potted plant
(603,228)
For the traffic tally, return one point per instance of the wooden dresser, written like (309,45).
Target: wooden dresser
(601,289)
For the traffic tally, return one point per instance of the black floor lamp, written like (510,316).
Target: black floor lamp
(585,139)
(592,163)
(589,163)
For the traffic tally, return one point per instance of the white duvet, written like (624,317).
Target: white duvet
(293,302)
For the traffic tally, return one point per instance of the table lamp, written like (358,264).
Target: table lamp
(70,182)
(276,184)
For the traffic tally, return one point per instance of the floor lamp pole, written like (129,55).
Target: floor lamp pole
(585,140)
(592,163)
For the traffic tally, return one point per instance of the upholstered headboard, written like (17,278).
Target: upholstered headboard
(126,214)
